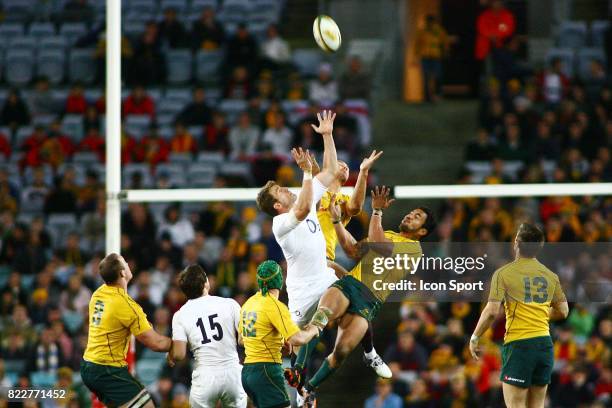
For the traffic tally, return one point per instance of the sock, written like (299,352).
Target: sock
(370,354)
(304,354)
(321,375)
(368,342)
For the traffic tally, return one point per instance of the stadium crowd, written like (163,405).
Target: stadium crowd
(540,126)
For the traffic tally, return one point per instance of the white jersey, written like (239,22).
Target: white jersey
(303,246)
(210,325)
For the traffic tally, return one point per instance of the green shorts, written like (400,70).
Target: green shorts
(264,383)
(362,300)
(527,362)
(114,386)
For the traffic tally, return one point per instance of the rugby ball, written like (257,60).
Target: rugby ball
(326,33)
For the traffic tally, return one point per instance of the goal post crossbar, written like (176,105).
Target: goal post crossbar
(400,192)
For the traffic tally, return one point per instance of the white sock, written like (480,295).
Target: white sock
(371,354)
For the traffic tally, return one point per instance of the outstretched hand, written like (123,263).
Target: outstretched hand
(334,208)
(475,349)
(326,123)
(302,159)
(368,162)
(380,197)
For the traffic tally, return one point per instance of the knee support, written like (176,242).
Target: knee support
(321,317)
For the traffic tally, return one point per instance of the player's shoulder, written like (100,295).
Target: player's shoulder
(543,269)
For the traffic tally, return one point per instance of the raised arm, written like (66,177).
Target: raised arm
(302,205)
(349,244)
(330,157)
(380,202)
(355,204)
(559,310)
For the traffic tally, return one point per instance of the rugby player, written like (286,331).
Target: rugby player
(350,302)
(113,317)
(265,325)
(532,296)
(349,206)
(209,325)
(297,230)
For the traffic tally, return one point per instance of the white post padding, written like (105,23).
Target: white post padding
(113,125)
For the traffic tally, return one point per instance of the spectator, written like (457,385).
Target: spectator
(384,396)
(76,103)
(171,30)
(61,199)
(596,80)
(297,89)
(545,146)
(241,50)
(36,193)
(167,249)
(31,258)
(278,138)
(180,229)
(196,112)
(88,194)
(215,138)
(182,141)
(32,146)
(139,103)
(191,256)
(480,149)
(148,66)
(5,146)
(9,193)
(76,393)
(14,112)
(275,51)
(462,393)
(127,53)
(91,118)
(93,226)
(138,224)
(577,392)
(47,355)
(71,253)
(152,148)
(419,396)
(239,85)
(41,101)
(209,247)
(407,354)
(552,83)
(243,138)
(512,148)
(75,298)
(493,27)
(355,83)
(324,89)
(13,294)
(93,142)
(19,324)
(207,33)
(432,46)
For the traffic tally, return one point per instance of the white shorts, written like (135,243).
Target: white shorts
(211,386)
(303,310)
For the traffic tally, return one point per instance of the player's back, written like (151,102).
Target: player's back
(113,316)
(527,288)
(210,324)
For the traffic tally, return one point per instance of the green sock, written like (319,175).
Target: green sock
(321,375)
(305,352)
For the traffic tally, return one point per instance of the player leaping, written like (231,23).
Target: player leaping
(351,302)
(349,206)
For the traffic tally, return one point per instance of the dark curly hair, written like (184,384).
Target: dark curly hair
(192,281)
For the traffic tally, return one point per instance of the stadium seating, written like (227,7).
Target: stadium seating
(82,66)
(572,34)
(180,64)
(51,64)
(585,56)
(566,55)
(307,61)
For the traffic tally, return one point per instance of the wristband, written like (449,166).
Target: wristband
(336,222)
(377,211)
(307,175)
(474,338)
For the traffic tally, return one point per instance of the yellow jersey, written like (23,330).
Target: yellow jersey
(392,236)
(265,324)
(327,227)
(527,289)
(113,316)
